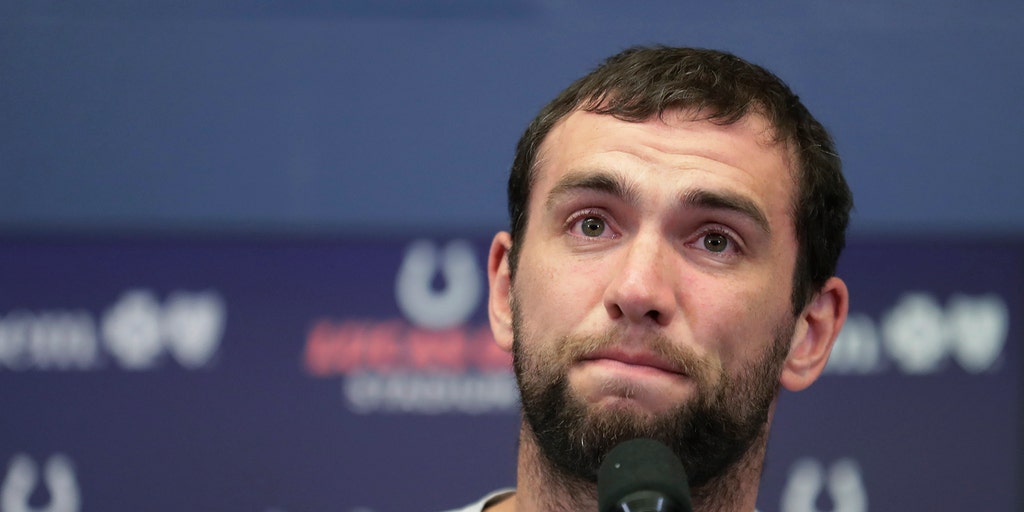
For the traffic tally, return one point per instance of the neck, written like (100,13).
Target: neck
(542,488)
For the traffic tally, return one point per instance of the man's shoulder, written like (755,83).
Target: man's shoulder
(483,502)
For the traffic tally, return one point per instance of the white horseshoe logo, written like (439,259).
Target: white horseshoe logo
(22,478)
(451,306)
(806,482)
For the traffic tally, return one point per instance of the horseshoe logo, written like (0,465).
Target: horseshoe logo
(807,480)
(22,478)
(438,309)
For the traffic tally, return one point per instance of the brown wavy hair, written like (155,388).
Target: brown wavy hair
(642,82)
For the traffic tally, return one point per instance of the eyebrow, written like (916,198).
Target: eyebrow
(596,181)
(614,185)
(717,200)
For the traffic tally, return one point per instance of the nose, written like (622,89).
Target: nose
(642,288)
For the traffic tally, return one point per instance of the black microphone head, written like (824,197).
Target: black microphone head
(645,468)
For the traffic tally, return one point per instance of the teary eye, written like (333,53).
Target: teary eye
(716,242)
(592,226)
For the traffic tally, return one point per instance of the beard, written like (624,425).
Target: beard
(710,433)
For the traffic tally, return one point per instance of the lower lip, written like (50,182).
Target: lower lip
(614,366)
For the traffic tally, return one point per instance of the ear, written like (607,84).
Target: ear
(815,334)
(499,308)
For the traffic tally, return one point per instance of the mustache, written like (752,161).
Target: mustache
(679,356)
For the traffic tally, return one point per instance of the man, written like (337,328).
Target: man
(677,215)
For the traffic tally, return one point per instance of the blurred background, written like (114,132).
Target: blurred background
(242,246)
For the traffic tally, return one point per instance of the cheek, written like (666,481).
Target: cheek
(553,298)
(533,294)
(737,320)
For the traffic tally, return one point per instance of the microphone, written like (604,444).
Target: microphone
(642,475)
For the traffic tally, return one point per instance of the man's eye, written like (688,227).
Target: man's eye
(592,226)
(716,242)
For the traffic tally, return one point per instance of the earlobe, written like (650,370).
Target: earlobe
(815,334)
(498,277)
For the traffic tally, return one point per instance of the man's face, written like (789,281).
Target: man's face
(651,296)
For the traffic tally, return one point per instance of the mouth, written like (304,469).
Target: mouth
(632,375)
(635,360)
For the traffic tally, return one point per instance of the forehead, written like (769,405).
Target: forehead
(677,147)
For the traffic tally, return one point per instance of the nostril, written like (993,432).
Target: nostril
(653,314)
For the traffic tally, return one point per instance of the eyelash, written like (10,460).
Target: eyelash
(575,218)
(734,249)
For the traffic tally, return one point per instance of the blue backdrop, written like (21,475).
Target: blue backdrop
(176,374)
(221,222)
